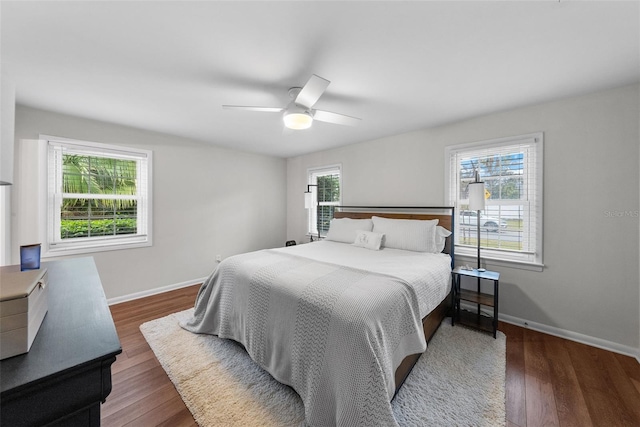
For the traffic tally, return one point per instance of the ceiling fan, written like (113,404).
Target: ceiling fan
(299,114)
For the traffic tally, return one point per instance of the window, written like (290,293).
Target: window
(98,197)
(325,184)
(511,224)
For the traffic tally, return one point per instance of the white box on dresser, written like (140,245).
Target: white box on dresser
(23,305)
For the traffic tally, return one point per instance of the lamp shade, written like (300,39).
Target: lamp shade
(308,199)
(476,196)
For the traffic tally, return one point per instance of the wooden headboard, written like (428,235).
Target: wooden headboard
(444,219)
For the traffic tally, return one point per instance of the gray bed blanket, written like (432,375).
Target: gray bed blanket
(334,334)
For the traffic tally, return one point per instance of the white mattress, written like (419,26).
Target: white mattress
(429,274)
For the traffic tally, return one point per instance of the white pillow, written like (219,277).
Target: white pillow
(408,234)
(344,229)
(441,238)
(368,240)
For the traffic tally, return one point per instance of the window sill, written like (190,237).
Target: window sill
(491,263)
(76,250)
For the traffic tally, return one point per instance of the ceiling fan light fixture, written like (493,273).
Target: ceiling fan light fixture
(299,113)
(297,120)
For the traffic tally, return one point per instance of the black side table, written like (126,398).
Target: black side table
(467,318)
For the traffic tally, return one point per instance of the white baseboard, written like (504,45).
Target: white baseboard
(155,291)
(573,336)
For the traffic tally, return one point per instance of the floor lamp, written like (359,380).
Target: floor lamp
(476,203)
(308,203)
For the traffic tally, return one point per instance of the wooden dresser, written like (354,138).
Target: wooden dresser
(66,374)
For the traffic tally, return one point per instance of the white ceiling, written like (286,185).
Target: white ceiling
(400,66)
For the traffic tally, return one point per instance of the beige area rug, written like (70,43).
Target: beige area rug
(458,381)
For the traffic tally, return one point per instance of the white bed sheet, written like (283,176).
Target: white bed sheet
(429,274)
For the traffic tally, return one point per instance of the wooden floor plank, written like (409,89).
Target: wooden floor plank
(631,368)
(151,364)
(540,396)
(135,389)
(549,380)
(160,414)
(130,413)
(516,407)
(566,388)
(624,386)
(181,419)
(125,362)
(140,385)
(602,399)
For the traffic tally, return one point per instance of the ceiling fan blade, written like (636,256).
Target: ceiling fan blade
(339,119)
(312,91)
(249,108)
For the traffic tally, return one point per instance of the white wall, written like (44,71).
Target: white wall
(5,225)
(7,122)
(590,285)
(206,201)
(7,125)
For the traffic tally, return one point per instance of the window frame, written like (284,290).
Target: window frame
(312,175)
(55,245)
(531,259)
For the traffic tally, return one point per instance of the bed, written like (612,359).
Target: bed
(342,321)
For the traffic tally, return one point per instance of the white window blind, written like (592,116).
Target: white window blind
(511,223)
(326,195)
(99,196)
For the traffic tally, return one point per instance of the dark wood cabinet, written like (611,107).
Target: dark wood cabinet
(66,374)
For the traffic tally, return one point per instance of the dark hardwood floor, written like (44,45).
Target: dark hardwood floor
(142,393)
(550,381)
